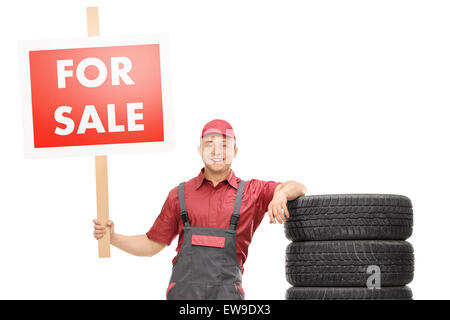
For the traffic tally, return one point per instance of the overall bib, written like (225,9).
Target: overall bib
(207,267)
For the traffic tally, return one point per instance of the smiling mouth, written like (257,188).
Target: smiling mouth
(217,160)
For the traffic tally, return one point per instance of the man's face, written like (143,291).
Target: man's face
(217,151)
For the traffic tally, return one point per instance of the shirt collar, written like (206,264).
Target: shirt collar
(231,178)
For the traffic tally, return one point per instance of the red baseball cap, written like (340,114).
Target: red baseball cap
(218,126)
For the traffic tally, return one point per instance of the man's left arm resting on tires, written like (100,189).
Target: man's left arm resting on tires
(284,192)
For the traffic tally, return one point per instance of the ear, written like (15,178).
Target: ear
(199,150)
(235,151)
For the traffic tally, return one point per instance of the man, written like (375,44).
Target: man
(215,216)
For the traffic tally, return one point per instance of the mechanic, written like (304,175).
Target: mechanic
(215,215)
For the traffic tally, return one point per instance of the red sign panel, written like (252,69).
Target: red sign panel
(96,95)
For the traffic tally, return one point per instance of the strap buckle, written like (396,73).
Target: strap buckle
(233,222)
(185,218)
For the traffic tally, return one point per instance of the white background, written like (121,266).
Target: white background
(343,96)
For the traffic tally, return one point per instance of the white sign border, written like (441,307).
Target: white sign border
(25,46)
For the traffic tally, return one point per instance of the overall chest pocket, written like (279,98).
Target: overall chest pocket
(208,241)
(210,259)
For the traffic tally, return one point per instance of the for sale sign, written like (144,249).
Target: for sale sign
(96,96)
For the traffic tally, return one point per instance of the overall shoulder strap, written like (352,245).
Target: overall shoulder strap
(184,214)
(237,206)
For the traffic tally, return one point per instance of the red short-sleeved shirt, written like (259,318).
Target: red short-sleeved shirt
(210,206)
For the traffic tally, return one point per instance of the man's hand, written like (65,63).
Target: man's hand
(288,190)
(277,208)
(100,230)
(139,245)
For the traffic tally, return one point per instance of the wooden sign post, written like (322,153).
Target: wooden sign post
(101,162)
(101,178)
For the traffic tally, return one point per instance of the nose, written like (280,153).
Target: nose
(217,152)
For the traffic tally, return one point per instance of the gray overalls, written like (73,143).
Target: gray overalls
(207,267)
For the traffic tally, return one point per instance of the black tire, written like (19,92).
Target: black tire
(355,293)
(349,217)
(346,263)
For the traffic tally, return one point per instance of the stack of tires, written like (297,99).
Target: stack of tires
(349,246)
